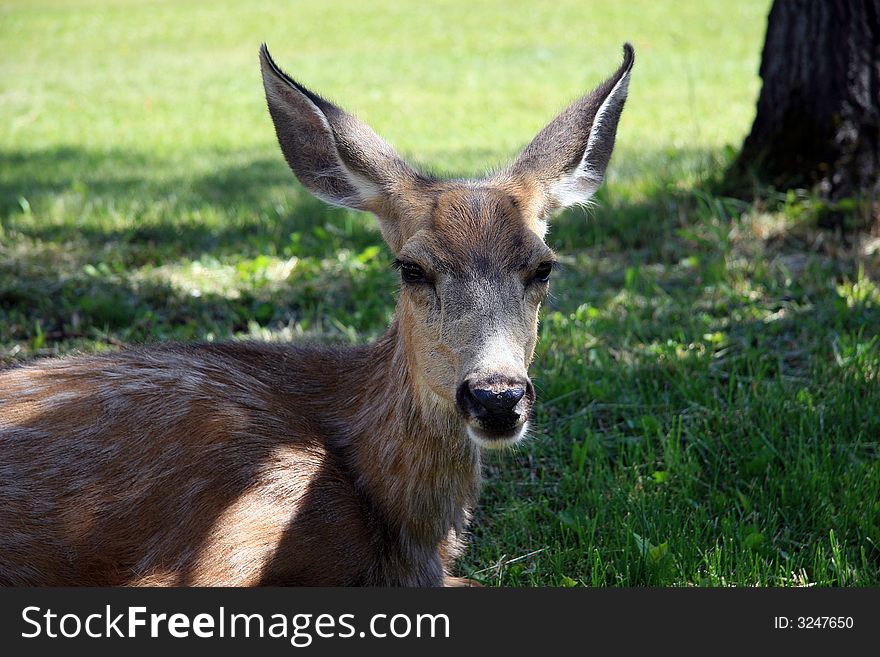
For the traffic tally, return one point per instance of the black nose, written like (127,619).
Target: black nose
(496,401)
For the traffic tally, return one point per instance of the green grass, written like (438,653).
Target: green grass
(708,369)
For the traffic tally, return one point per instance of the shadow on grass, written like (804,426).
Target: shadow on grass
(248,202)
(217,203)
(88,310)
(80,227)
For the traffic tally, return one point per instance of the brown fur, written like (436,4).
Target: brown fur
(245,463)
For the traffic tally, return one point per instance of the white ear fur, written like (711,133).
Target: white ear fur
(578,186)
(365,191)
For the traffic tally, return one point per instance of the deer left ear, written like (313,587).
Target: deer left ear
(566,162)
(336,157)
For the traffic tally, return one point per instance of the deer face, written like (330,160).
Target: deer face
(472,281)
(473,264)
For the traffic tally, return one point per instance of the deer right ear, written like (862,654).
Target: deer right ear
(336,157)
(566,162)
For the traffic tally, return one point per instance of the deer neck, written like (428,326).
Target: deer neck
(408,448)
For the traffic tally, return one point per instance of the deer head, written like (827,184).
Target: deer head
(473,263)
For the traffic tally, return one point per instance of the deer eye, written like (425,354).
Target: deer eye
(542,273)
(410,272)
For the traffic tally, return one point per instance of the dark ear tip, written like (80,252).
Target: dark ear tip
(269,67)
(265,57)
(629,56)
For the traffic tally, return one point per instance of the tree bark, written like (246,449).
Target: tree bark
(818,115)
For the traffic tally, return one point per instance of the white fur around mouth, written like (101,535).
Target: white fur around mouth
(491,442)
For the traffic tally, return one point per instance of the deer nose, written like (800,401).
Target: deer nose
(497,401)
(494,398)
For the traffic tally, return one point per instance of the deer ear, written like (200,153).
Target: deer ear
(336,157)
(566,162)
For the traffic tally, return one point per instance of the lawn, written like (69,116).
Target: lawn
(709,407)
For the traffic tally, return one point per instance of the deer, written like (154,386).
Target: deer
(256,463)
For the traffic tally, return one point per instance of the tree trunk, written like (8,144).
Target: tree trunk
(818,118)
